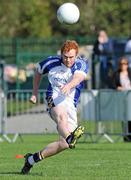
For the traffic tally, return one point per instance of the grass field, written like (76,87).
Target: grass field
(89,161)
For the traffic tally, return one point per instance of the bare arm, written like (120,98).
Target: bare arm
(77,79)
(120,88)
(36,83)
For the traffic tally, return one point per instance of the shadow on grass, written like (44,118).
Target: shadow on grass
(19,173)
(103,146)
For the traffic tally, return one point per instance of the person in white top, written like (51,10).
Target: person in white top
(122,77)
(122,82)
(66,74)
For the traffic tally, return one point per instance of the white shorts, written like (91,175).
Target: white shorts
(67,105)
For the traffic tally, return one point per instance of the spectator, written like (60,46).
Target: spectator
(122,81)
(128,50)
(122,77)
(103,50)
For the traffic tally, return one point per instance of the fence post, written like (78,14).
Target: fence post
(3,115)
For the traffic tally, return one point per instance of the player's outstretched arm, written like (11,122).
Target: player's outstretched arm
(76,80)
(36,83)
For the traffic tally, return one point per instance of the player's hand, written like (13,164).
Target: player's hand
(65,89)
(33,99)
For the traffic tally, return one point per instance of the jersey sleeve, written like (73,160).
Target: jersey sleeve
(41,67)
(46,65)
(82,67)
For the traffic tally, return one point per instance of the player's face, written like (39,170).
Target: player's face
(69,58)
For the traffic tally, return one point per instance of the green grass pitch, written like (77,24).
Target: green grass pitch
(88,161)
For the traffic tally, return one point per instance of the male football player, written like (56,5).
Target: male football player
(66,74)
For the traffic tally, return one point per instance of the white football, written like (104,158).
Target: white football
(68,13)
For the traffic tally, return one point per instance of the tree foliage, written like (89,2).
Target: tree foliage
(24,18)
(37,18)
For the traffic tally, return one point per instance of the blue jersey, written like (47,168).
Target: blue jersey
(59,74)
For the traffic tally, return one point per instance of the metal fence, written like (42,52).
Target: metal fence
(107,111)
(26,52)
(103,112)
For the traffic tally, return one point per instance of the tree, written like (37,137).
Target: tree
(114,16)
(24,18)
(37,18)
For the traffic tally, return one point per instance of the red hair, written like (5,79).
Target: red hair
(68,45)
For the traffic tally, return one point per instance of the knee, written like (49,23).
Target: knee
(61,117)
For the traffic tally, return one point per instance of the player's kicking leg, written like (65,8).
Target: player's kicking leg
(61,118)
